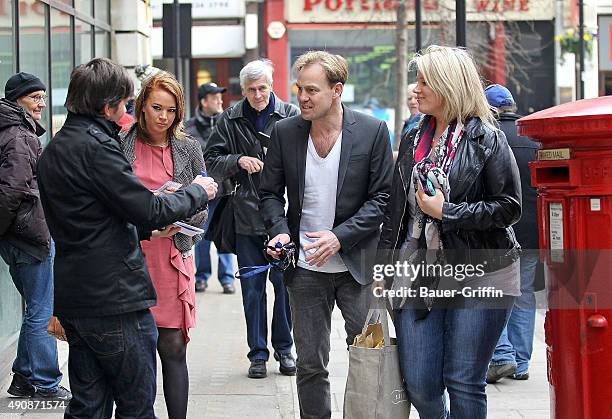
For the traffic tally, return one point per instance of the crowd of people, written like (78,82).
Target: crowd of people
(103,230)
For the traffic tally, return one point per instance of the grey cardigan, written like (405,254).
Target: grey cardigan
(188,163)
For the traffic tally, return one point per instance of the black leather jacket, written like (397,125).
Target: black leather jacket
(485,200)
(233,137)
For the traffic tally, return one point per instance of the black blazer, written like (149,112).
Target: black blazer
(364,183)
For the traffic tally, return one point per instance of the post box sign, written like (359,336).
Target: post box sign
(554,154)
(384,11)
(555,227)
(605,42)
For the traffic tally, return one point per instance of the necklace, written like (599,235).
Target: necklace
(165,144)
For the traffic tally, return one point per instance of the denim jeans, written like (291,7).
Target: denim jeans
(112,359)
(36,357)
(313,296)
(250,252)
(202,256)
(515,344)
(450,349)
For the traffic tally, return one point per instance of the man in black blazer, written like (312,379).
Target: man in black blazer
(336,166)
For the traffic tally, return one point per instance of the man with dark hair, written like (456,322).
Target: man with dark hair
(235,151)
(25,243)
(210,106)
(97,211)
(335,167)
(513,352)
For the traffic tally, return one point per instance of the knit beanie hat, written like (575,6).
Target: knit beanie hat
(22,84)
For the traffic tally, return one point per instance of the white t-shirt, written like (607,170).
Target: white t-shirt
(319,204)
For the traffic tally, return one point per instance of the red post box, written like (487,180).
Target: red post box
(573,174)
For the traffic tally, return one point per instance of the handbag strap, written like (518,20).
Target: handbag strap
(381,312)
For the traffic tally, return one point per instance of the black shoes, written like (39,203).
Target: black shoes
(287,363)
(229,289)
(20,387)
(258,369)
(201,286)
(497,372)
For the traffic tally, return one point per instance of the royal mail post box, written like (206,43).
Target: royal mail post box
(573,175)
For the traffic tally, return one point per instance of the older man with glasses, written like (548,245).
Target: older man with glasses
(25,242)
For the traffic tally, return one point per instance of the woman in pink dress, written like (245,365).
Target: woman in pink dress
(160,151)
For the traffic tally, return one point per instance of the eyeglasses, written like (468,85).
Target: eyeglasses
(38,98)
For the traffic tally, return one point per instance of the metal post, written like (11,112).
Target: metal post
(177,46)
(460,22)
(581,51)
(418,25)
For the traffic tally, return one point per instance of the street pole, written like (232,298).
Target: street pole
(177,46)
(460,22)
(580,94)
(401,46)
(418,25)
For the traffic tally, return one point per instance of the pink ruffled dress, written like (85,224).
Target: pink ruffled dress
(173,276)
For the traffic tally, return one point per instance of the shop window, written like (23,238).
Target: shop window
(61,66)
(7,40)
(83,48)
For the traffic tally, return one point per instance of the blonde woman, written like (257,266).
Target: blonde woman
(455,194)
(160,151)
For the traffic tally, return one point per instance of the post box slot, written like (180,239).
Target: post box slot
(554,175)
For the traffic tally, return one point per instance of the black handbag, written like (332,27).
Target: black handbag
(221,229)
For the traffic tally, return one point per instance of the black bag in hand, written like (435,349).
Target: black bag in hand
(221,229)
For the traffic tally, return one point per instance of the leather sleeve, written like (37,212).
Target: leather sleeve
(501,203)
(220,160)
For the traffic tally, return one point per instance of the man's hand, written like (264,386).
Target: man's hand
(250,164)
(283,238)
(430,205)
(209,185)
(327,245)
(169,231)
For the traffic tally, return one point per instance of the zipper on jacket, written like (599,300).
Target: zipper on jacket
(399,168)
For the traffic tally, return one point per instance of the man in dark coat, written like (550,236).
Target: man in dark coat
(25,243)
(97,211)
(235,151)
(514,348)
(336,168)
(210,106)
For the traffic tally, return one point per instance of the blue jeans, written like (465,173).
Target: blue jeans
(112,359)
(249,250)
(450,349)
(515,344)
(202,256)
(36,357)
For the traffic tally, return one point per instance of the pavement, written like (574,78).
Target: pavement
(219,387)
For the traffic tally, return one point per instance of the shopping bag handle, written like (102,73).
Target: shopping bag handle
(382,312)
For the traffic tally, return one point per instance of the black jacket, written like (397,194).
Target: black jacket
(22,221)
(364,180)
(200,127)
(524,150)
(485,200)
(94,203)
(233,137)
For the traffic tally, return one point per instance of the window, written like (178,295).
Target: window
(102,8)
(102,43)
(84,6)
(34,48)
(7,63)
(83,34)
(61,66)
